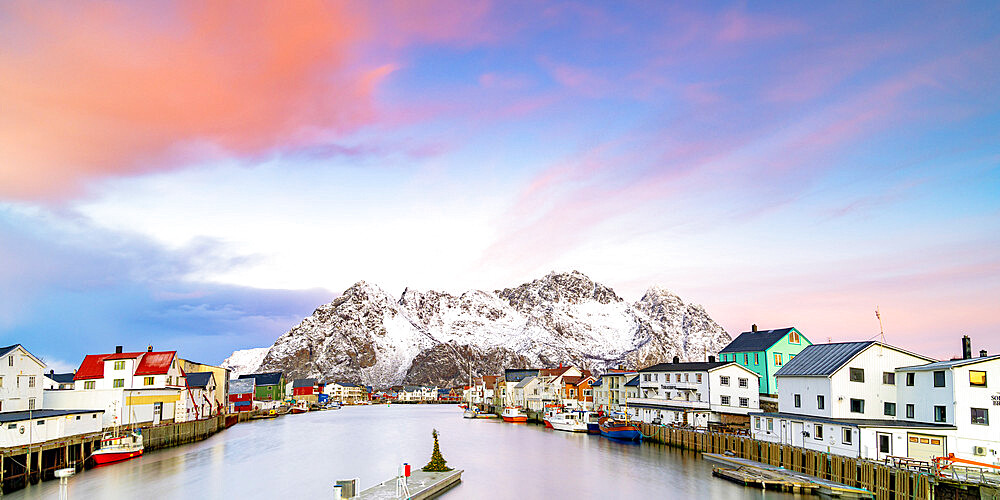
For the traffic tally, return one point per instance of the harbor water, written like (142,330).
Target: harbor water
(301,456)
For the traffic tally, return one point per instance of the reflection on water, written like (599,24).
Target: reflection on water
(300,456)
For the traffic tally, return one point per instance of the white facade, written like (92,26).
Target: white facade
(21,380)
(45,426)
(695,394)
(120,407)
(346,393)
(610,395)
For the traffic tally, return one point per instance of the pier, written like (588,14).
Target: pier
(422,486)
(751,473)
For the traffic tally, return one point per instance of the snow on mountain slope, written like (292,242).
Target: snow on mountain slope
(438,338)
(244,361)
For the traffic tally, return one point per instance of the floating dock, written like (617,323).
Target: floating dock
(422,485)
(752,473)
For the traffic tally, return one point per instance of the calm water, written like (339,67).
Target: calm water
(300,456)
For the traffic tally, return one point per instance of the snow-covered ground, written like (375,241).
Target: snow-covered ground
(244,361)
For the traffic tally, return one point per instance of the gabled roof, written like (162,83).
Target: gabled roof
(524,382)
(241,386)
(944,365)
(59,378)
(822,360)
(303,382)
(269,378)
(633,383)
(198,379)
(695,366)
(760,340)
(152,363)
(5,350)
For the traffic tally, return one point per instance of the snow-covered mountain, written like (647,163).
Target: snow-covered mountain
(438,338)
(244,361)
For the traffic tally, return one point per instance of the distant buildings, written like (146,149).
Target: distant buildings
(201,396)
(268,386)
(346,392)
(241,392)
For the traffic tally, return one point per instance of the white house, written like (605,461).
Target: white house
(506,387)
(130,387)
(842,398)
(696,394)
(610,391)
(21,428)
(951,393)
(21,379)
(60,381)
(200,401)
(346,392)
(528,391)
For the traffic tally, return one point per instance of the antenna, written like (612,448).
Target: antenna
(881,331)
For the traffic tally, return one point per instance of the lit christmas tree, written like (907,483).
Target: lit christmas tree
(437,463)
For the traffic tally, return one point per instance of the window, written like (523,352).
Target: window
(725,400)
(756,423)
(698,378)
(777,359)
(746,359)
(977,378)
(31,403)
(890,409)
(89,384)
(744,402)
(939,379)
(1,381)
(857,374)
(819,402)
(12,426)
(756,358)
(724,380)
(699,396)
(857,405)
(147,380)
(31,381)
(677,377)
(888,378)
(647,377)
(798,401)
(909,379)
(793,337)
(848,435)
(940,414)
(119,382)
(170,380)
(10,360)
(40,422)
(818,429)
(744,382)
(909,411)
(120,365)
(980,416)
(770,424)
(686,377)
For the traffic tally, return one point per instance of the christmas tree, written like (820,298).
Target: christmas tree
(437,463)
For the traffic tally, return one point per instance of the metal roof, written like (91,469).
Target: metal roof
(15,416)
(303,382)
(270,378)
(198,379)
(241,386)
(821,360)
(944,365)
(757,341)
(858,422)
(633,383)
(524,382)
(59,378)
(518,374)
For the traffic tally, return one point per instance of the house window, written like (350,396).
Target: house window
(889,378)
(746,359)
(756,358)
(40,422)
(857,374)
(724,380)
(940,414)
(756,423)
(798,401)
(857,405)
(819,402)
(120,365)
(647,378)
(819,431)
(119,382)
(12,426)
(939,379)
(909,379)
(777,359)
(848,435)
(31,403)
(1,381)
(890,409)
(10,360)
(147,381)
(744,402)
(770,424)
(698,377)
(170,380)
(725,400)
(977,378)
(793,337)
(980,416)
(31,381)
(909,411)
(744,382)
(677,377)
(89,384)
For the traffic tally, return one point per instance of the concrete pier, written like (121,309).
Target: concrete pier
(422,485)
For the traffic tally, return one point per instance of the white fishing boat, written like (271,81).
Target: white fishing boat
(514,414)
(571,421)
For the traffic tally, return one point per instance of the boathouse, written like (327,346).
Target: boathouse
(201,400)
(269,386)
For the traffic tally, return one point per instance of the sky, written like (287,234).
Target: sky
(199,176)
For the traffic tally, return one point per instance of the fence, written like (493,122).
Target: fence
(888,483)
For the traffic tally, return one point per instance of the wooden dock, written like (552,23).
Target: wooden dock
(765,476)
(422,486)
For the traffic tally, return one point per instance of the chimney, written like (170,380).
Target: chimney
(149,349)
(118,349)
(711,359)
(677,359)
(753,328)
(982,353)
(966,347)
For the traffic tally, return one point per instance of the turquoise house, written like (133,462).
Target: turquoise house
(764,352)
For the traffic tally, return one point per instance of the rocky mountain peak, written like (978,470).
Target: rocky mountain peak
(572,288)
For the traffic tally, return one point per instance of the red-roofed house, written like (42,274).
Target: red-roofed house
(131,387)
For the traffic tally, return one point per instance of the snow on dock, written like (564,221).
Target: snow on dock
(422,485)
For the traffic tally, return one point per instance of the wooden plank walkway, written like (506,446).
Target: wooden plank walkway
(758,472)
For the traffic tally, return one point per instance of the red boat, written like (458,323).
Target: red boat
(511,414)
(118,448)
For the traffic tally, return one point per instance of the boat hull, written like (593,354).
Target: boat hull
(516,420)
(115,456)
(570,427)
(593,428)
(299,410)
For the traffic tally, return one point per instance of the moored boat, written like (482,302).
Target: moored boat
(550,411)
(513,414)
(118,448)
(591,418)
(470,413)
(568,421)
(300,408)
(619,428)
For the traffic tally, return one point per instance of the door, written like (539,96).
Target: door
(157,413)
(797,429)
(884,443)
(925,446)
